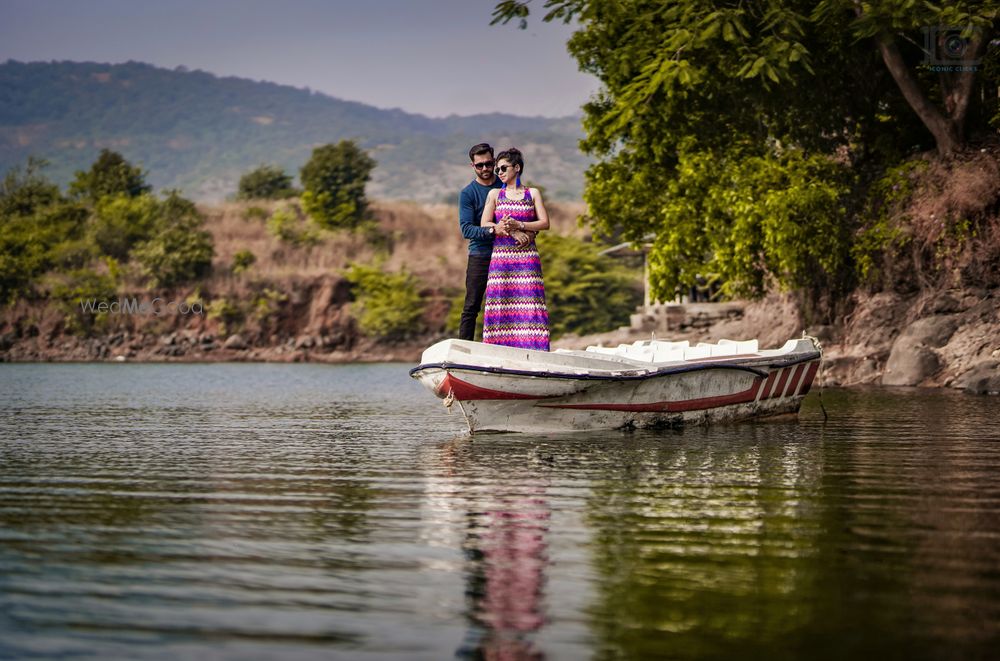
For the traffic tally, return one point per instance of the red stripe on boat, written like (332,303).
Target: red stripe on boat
(808,380)
(767,385)
(793,380)
(464,391)
(779,387)
(747,395)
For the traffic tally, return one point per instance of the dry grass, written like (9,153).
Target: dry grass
(954,220)
(422,238)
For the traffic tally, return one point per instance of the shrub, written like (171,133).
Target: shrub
(180,250)
(266,182)
(77,292)
(390,303)
(334,180)
(243,260)
(120,222)
(288,226)
(227,312)
(585,292)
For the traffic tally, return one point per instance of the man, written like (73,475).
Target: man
(472,201)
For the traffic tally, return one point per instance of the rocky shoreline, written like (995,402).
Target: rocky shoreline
(948,338)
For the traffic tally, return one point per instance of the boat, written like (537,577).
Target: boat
(649,383)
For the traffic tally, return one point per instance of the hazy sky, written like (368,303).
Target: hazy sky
(435,57)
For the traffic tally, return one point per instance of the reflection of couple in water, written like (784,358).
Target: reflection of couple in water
(500,218)
(506,551)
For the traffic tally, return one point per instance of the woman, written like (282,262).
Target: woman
(515,315)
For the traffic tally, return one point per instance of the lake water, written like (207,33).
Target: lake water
(308,511)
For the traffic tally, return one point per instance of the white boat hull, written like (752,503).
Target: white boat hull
(504,389)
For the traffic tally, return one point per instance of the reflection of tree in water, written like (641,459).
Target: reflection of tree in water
(506,548)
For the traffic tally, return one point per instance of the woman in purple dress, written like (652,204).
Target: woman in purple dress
(515,315)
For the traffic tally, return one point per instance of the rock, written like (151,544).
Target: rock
(909,364)
(866,371)
(235,341)
(982,379)
(944,303)
(6,341)
(305,342)
(932,331)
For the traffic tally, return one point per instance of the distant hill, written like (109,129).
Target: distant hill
(199,132)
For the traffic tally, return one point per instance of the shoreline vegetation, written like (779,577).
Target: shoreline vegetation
(297,300)
(108,271)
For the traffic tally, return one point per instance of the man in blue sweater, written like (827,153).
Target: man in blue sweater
(472,201)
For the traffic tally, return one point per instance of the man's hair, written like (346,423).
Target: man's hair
(481,148)
(512,156)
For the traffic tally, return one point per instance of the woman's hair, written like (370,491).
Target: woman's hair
(513,156)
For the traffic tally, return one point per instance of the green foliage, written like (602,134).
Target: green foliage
(120,222)
(390,303)
(732,130)
(243,260)
(38,230)
(881,230)
(267,302)
(266,182)
(24,191)
(288,225)
(585,292)
(228,313)
(756,222)
(77,292)
(334,181)
(110,175)
(180,250)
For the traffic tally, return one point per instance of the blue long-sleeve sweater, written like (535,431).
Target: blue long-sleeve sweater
(471,203)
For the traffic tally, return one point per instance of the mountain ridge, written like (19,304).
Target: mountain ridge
(196,131)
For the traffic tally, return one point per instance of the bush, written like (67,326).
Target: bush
(120,222)
(334,181)
(180,250)
(79,288)
(585,292)
(390,303)
(243,260)
(266,182)
(175,255)
(287,225)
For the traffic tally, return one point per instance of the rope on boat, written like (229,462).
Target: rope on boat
(819,391)
(449,400)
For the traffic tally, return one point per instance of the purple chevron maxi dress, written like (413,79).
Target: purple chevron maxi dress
(515,315)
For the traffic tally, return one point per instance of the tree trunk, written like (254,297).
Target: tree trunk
(946,131)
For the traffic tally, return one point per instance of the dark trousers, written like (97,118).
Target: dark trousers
(476,272)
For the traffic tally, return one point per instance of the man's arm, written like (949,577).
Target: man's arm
(467,218)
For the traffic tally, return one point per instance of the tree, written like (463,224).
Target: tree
(736,131)
(334,181)
(110,174)
(266,182)
(179,249)
(586,292)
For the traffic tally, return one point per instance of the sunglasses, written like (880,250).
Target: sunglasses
(503,168)
(486,165)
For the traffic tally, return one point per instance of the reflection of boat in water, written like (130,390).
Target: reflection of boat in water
(648,383)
